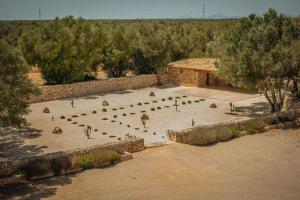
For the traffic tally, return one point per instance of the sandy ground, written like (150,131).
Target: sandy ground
(160,121)
(263,166)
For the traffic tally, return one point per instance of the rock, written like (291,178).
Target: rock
(46,110)
(57,130)
(105,103)
(213,105)
(152,94)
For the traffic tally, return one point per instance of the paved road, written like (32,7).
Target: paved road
(264,166)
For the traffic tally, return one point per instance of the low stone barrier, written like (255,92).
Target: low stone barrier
(8,167)
(54,92)
(182,135)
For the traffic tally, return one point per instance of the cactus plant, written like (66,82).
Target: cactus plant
(87,131)
(144,119)
(176,105)
(72,103)
(104,110)
(193,122)
(231,107)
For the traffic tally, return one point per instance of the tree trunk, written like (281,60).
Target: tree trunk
(295,86)
(270,87)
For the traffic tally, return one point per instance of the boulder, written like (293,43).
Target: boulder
(213,105)
(105,103)
(57,130)
(46,110)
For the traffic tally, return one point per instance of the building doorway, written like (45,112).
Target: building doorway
(207,79)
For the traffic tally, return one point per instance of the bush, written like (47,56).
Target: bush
(235,131)
(86,161)
(209,135)
(100,158)
(250,127)
(116,157)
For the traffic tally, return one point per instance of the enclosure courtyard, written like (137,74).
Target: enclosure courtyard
(121,119)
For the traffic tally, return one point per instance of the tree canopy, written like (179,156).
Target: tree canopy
(257,53)
(15,87)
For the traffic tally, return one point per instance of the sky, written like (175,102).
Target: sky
(140,9)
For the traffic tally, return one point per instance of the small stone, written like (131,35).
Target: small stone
(152,94)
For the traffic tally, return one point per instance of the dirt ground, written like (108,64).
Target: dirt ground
(113,125)
(262,166)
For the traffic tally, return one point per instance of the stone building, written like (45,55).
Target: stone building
(196,72)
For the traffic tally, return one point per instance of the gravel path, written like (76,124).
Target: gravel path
(123,115)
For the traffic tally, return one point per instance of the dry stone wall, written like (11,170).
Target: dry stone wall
(54,92)
(181,136)
(133,145)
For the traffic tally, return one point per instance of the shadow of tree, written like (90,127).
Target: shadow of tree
(35,190)
(12,144)
(254,110)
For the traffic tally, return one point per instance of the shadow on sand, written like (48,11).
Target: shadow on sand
(35,190)
(12,144)
(254,110)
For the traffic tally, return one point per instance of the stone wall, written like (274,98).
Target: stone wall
(193,78)
(54,92)
(181,136)
(133,145)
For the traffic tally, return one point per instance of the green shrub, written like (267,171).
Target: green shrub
(116,157)
(250,127)
(235,131)
(86,161)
